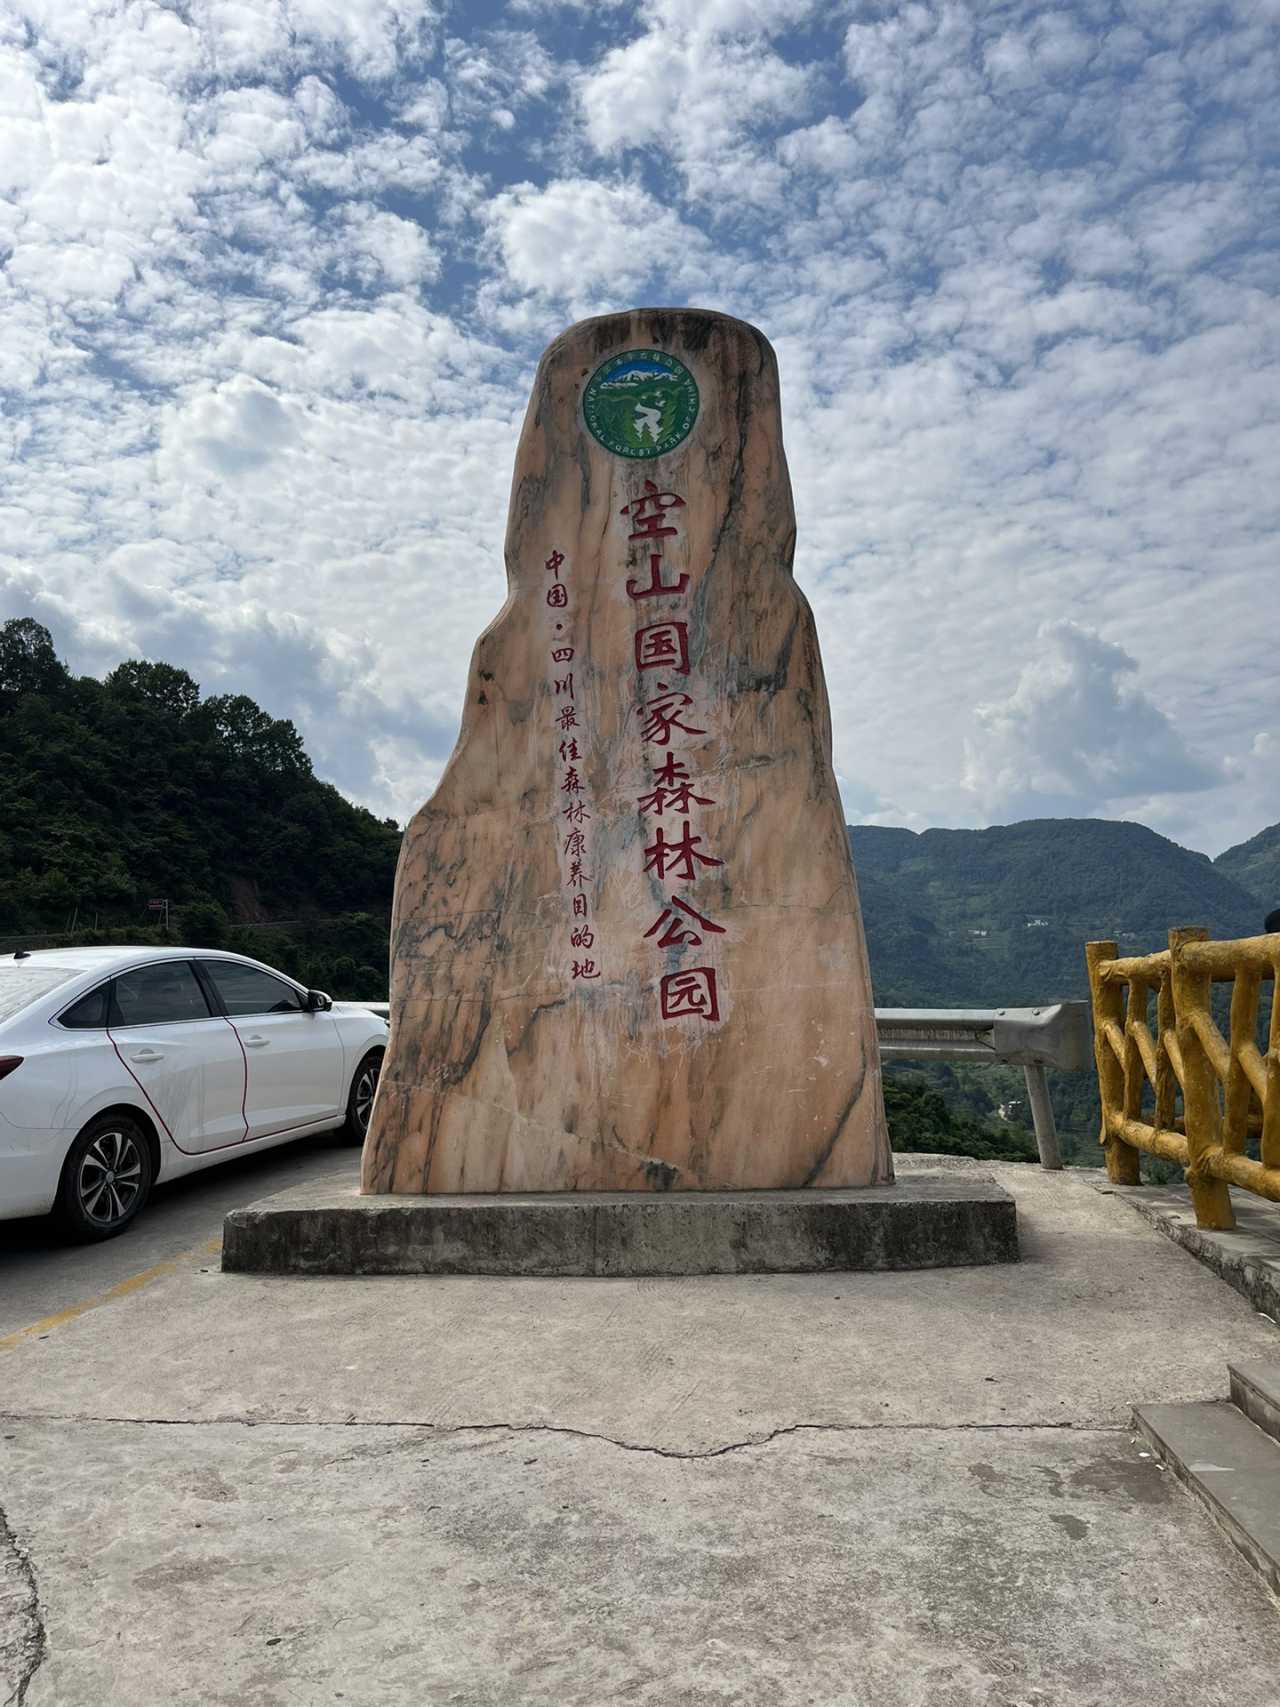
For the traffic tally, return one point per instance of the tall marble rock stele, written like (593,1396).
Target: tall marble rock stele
(627,952)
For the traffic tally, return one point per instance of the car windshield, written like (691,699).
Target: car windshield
(21,985)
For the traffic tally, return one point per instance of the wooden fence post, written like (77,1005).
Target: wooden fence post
(1237,1093)
(1135,1014)
(1108,1005)
(1200,1105)
(1166,1086)
(1269,1143)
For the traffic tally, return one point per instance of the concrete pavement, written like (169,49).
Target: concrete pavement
(40,1274)
(886,1489)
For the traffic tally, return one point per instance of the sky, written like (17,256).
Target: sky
(275,276)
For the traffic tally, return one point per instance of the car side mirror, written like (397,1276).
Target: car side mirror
(318,1002)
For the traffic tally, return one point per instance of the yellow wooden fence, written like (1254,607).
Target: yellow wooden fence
(1182,1090)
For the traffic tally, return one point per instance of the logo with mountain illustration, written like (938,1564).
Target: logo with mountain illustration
(641,404)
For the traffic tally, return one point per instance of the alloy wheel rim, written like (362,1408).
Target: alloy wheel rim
(366,1085)
(110,1177)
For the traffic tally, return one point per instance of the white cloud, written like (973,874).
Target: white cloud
(428,105)
(486,78)
(1077,735)
(274,276)
(576,236)
(236,428)
(696,85)
(386,247)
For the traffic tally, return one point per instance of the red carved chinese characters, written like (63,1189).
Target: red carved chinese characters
(662,715)
(666,715)
(691,994)
(672,790)
(562,689)
(656,583)
(651,521)
(675,933)
(663,645)
(648,512)
(678,856)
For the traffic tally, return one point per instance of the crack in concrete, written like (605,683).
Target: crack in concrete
(446,1430)
(31,1647)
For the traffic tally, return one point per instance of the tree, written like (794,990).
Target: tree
(115,791)
(28,662)
(203,924)
(270,742)
(162,685)
(920,1120)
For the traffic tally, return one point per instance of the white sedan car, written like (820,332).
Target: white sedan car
(122,1066)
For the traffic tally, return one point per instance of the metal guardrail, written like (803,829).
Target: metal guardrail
(1054,1035)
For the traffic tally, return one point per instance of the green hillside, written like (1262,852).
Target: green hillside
(117,792)
(1255,866)
(986,917)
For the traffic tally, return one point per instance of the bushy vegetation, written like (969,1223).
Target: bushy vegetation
(117,792)
(989,1109)
(921,1118)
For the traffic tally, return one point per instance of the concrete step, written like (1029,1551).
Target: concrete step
(1229,1463)
(1255,1388)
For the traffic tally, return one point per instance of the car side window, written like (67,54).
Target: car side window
(89,1013)
(163,994)
(246,990)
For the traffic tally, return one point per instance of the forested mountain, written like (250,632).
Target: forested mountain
(987,917)
(118,792)
(1255,866)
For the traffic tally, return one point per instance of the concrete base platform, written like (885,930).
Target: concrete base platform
(923,1221)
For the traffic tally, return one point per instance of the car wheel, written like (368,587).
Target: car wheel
(360,1101)
(106,1178)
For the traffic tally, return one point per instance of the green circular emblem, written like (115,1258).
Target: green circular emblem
(642,403)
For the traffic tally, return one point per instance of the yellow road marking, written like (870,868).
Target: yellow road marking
(122,1289)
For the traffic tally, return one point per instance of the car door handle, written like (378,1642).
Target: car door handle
(255,1042)
(147,1055)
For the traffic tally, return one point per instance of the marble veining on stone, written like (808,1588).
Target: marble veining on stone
(627,952)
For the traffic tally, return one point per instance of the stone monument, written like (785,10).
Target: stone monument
(627,953)
(631,1022)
